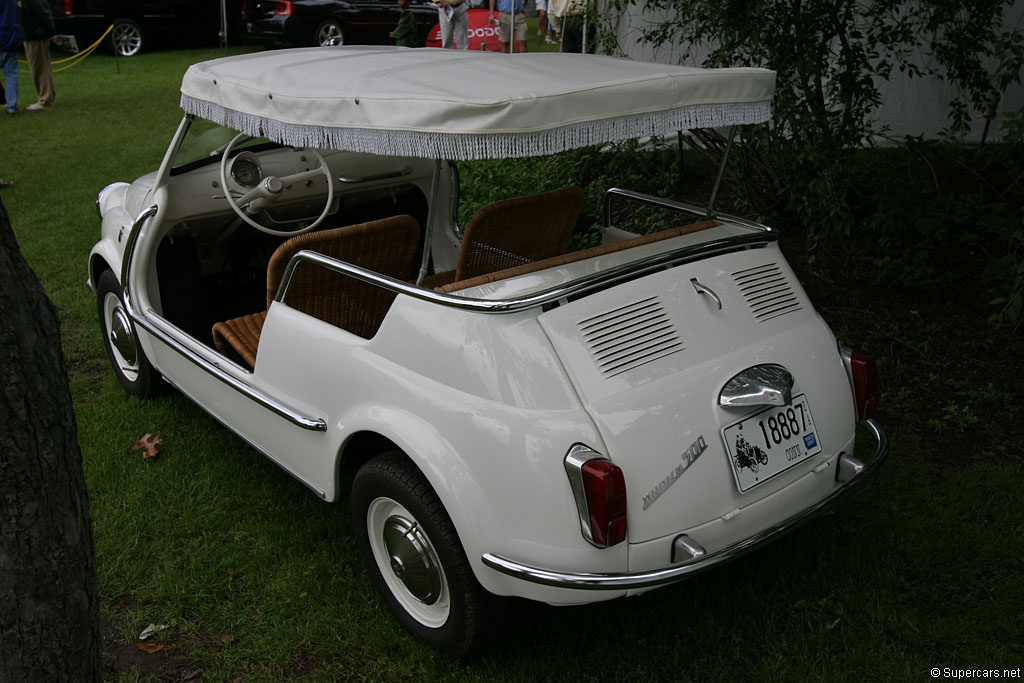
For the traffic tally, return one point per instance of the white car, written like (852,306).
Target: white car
(518,420)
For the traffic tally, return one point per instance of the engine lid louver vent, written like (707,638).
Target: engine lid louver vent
(630,336)
(767,291)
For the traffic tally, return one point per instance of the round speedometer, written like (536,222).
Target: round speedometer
(245,171)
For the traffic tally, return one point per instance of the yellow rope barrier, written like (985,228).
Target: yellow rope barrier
(77,58)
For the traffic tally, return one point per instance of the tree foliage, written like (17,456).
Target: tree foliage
(832,55)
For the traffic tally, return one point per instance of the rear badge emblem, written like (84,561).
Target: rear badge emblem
(688,457)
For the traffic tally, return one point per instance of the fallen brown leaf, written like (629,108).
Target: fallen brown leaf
(226,638)
(150,647)
(149,443)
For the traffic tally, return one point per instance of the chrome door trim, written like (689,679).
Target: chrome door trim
(160,328)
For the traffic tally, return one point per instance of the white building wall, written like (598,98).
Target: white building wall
(911,106)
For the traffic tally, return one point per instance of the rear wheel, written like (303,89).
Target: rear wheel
(415,559)
(130,364)
(127,37)
(329,32)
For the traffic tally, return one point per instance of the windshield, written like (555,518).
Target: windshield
(205,142)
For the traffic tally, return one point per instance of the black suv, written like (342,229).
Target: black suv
(141,24)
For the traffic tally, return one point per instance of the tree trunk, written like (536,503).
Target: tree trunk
(49,620)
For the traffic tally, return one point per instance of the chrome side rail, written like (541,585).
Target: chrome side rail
(664,575)
(152,323)
(681,207)
(548,296)
(158,327)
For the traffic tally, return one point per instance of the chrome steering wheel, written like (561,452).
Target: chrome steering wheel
(269,191)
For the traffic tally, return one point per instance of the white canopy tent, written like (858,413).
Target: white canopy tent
(448,104)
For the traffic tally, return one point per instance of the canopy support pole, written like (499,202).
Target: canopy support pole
(721,171)
(223,26)
(435,184)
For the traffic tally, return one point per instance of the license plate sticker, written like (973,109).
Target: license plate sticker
(770,441)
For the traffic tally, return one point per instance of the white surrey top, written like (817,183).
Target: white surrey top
(449,104)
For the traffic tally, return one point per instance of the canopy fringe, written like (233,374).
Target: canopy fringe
(467,146)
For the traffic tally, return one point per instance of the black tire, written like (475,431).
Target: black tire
(130,364)
(127,38)
(442,605)
(329,32)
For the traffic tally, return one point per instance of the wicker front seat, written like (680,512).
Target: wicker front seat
(385,246)
(513,232)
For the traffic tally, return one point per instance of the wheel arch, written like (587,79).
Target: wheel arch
(433,456)
(99,264)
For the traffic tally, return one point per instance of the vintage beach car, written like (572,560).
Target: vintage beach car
(505,418)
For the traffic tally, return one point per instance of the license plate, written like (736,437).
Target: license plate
(770,441)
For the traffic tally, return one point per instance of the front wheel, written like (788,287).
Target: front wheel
(131,366)
(415,559)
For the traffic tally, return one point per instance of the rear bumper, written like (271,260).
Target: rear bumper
(702,561)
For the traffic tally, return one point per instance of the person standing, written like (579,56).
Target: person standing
(511,23)
(10,42)
(454,20)
(405,33)
(579,33)
(37,30)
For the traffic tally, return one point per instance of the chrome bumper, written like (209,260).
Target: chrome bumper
(678,571)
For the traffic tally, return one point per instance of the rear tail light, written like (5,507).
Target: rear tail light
(283,7)
(599,489)
(864,375)
(67,6)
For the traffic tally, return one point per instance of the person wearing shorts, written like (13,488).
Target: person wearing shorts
(506,10)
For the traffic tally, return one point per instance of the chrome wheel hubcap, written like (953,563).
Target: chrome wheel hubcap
(408,562)
(120,336)
(412,559)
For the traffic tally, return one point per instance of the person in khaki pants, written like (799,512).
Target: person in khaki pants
(37,30)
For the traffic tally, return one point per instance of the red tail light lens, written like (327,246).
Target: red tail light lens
(865,384)
(599,490)
(283,8)
(67,6)
(605,490)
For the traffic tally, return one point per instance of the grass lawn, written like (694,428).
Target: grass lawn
(258,580)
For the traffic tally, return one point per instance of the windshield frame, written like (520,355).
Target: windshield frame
(192,148)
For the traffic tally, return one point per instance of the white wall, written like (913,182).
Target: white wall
(910,106)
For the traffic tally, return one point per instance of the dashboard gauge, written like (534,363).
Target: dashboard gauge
(245,170)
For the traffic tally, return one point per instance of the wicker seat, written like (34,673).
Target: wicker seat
(514,232)
(386,246)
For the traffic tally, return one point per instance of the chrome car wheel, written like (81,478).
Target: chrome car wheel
(127,37)
(120,336)
(408,562)
(415,559)
(330,33)
(130,364)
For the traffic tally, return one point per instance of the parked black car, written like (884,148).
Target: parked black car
(142,24)
(329,22)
